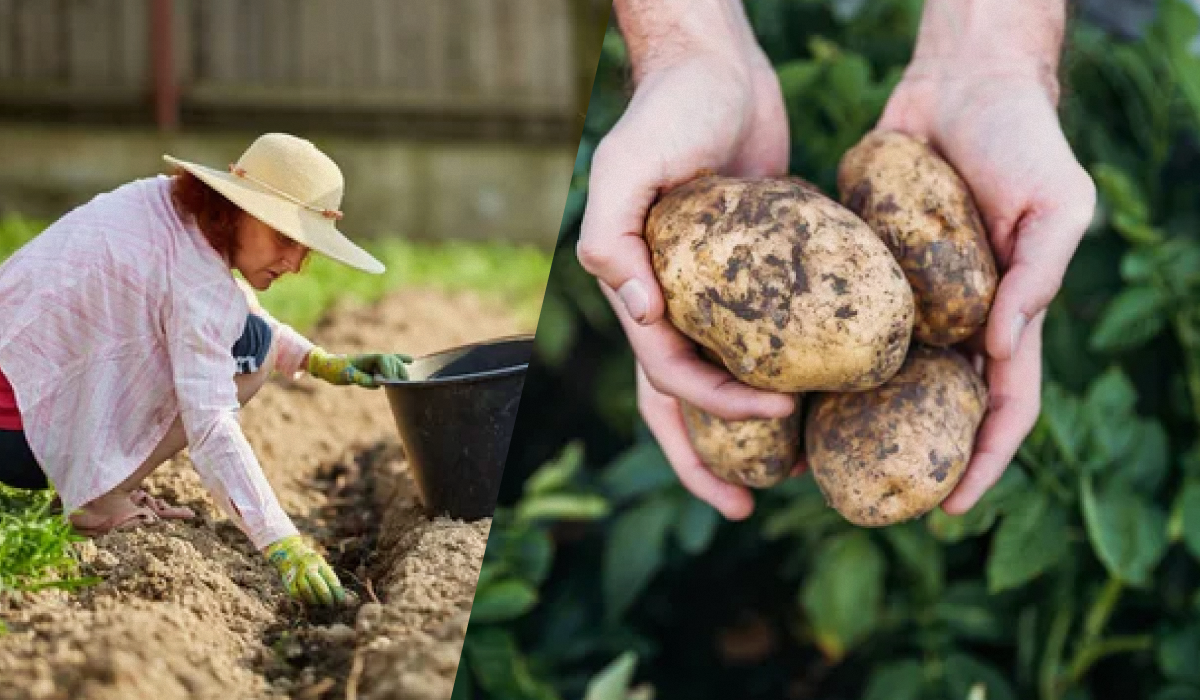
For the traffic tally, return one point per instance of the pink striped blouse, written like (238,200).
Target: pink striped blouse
(113,321)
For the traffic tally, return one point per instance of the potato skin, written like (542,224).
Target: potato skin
(792,291)
(894,453)
(916,202)
(759,452)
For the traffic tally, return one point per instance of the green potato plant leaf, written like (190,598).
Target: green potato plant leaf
(1032,538)
(843,594)
(1129,534)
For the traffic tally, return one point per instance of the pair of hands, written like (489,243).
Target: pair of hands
(365,370)
(722,110)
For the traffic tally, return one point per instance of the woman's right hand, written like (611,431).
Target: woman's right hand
(712,103)
(305,573)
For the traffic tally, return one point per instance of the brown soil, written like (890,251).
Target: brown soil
(190,611)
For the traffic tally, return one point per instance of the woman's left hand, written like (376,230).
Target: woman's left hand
(366,370)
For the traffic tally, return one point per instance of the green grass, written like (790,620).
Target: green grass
(35,543)
(515,275)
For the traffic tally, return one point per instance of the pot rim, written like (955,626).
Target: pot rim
(473,377)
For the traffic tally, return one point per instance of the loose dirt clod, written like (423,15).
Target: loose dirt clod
(191,611)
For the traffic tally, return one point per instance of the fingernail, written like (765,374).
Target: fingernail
(633,295)
(1018,328)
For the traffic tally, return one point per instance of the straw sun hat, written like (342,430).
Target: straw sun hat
(289,184)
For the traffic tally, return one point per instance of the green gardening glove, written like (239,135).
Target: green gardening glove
(364,370)
(306,575)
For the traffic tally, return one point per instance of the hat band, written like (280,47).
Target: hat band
(327,213)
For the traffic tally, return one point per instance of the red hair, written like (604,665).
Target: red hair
(216,216)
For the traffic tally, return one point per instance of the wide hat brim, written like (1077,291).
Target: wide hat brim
(298,223)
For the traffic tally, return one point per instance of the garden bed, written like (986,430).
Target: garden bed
(190,610)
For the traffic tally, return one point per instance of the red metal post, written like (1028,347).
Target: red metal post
(162,58)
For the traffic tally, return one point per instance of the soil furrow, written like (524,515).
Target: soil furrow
(192,611)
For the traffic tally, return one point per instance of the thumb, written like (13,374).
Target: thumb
(621,189)
(1040,257)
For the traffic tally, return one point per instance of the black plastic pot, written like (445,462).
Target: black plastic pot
(455,415)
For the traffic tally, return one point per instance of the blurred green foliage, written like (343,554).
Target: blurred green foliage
(1077,575)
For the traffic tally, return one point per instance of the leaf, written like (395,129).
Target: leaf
(844,592)
(796,77)
(1136,231)
(1031,539)
(558,472)
(612,682)
(956,528)
(562,506)
(696,525)
(1132,318)
(1064,418)
(1138,265)
(633,553)
(1177,652)
(1145,460)
(1128,533)
(898,680)
(501,668)
(920,555)
(1111,396)
(1120,192)
(964,673)
(640,469)
(1189,504)
(805,512)
(1176,29)
(970,612)
(1177,692)
(503,600)
(521,551)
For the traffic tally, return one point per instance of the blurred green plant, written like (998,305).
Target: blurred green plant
(1077,575)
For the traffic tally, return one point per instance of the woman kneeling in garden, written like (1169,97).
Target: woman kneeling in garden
(125,337)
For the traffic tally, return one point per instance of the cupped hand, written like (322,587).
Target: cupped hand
(1001,133)
(718,110)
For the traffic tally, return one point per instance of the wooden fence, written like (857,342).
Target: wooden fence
(468,62)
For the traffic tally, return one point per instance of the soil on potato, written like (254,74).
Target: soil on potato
(189,610)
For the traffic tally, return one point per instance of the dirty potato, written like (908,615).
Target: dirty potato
(924,212)
(792,291)
(894,453)
(758,452)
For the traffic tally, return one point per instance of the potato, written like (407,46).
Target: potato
(758,452)
(894,453)
(792,291)
(924,212)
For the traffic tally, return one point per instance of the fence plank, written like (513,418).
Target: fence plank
(136,50)
(463,57)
